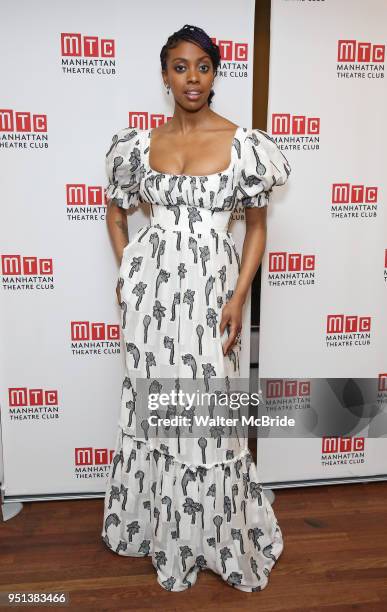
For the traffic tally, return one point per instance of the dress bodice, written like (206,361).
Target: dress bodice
(256,166)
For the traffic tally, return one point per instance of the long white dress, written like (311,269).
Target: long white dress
(187,495)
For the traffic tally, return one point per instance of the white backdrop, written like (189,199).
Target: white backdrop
(323,301)
(75,73)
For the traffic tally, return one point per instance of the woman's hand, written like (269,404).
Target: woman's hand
(231,317)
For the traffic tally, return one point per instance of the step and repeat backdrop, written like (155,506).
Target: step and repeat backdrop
(73,74)
(323,335)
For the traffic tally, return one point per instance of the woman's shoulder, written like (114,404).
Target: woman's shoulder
(124,141)
(243,139)
(128,133)
(254,135)
(124,168)
(262,163)
(256,141)
(249,132)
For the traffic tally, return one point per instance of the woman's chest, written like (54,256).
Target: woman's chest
(216,191)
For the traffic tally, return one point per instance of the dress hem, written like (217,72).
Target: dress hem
(241,588)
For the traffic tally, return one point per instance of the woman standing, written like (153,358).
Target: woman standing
(188,493)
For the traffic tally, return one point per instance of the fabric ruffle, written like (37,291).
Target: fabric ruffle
(264,167)
(122,198)
(190,519)
(124,169)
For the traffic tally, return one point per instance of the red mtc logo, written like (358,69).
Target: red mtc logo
(21,396)
(232,51)
(16,265)
(76,45)
(287,388)
(93,456)
(344,193)
(84,330)
(17,121)
(382,386)
(341,445)
(77,194)
(343,324)
(354,51)
(291,262)
(283,124)
(145,121)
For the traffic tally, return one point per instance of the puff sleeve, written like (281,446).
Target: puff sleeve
(124,168)
(263,166)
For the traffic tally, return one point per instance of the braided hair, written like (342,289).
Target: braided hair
(198,36)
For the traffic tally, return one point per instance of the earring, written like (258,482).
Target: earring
(168,88)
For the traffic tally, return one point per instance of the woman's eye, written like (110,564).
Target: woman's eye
(206,68)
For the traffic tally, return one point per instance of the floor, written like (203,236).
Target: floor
(335,557)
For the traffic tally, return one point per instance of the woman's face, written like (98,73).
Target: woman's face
(189,74)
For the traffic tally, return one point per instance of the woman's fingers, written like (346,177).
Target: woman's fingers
(235,329)
(231,319)
(234,332)
(223,323)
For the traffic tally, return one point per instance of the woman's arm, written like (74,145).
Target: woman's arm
(253,249)
(117,223)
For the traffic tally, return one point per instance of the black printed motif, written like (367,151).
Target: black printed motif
(190,502)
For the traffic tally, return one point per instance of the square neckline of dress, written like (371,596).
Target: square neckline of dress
(192,175)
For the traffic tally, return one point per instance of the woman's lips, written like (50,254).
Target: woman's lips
(191,95)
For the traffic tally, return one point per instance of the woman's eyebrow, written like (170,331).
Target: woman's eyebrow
(185,59)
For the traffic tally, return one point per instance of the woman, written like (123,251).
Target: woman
(185,493)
